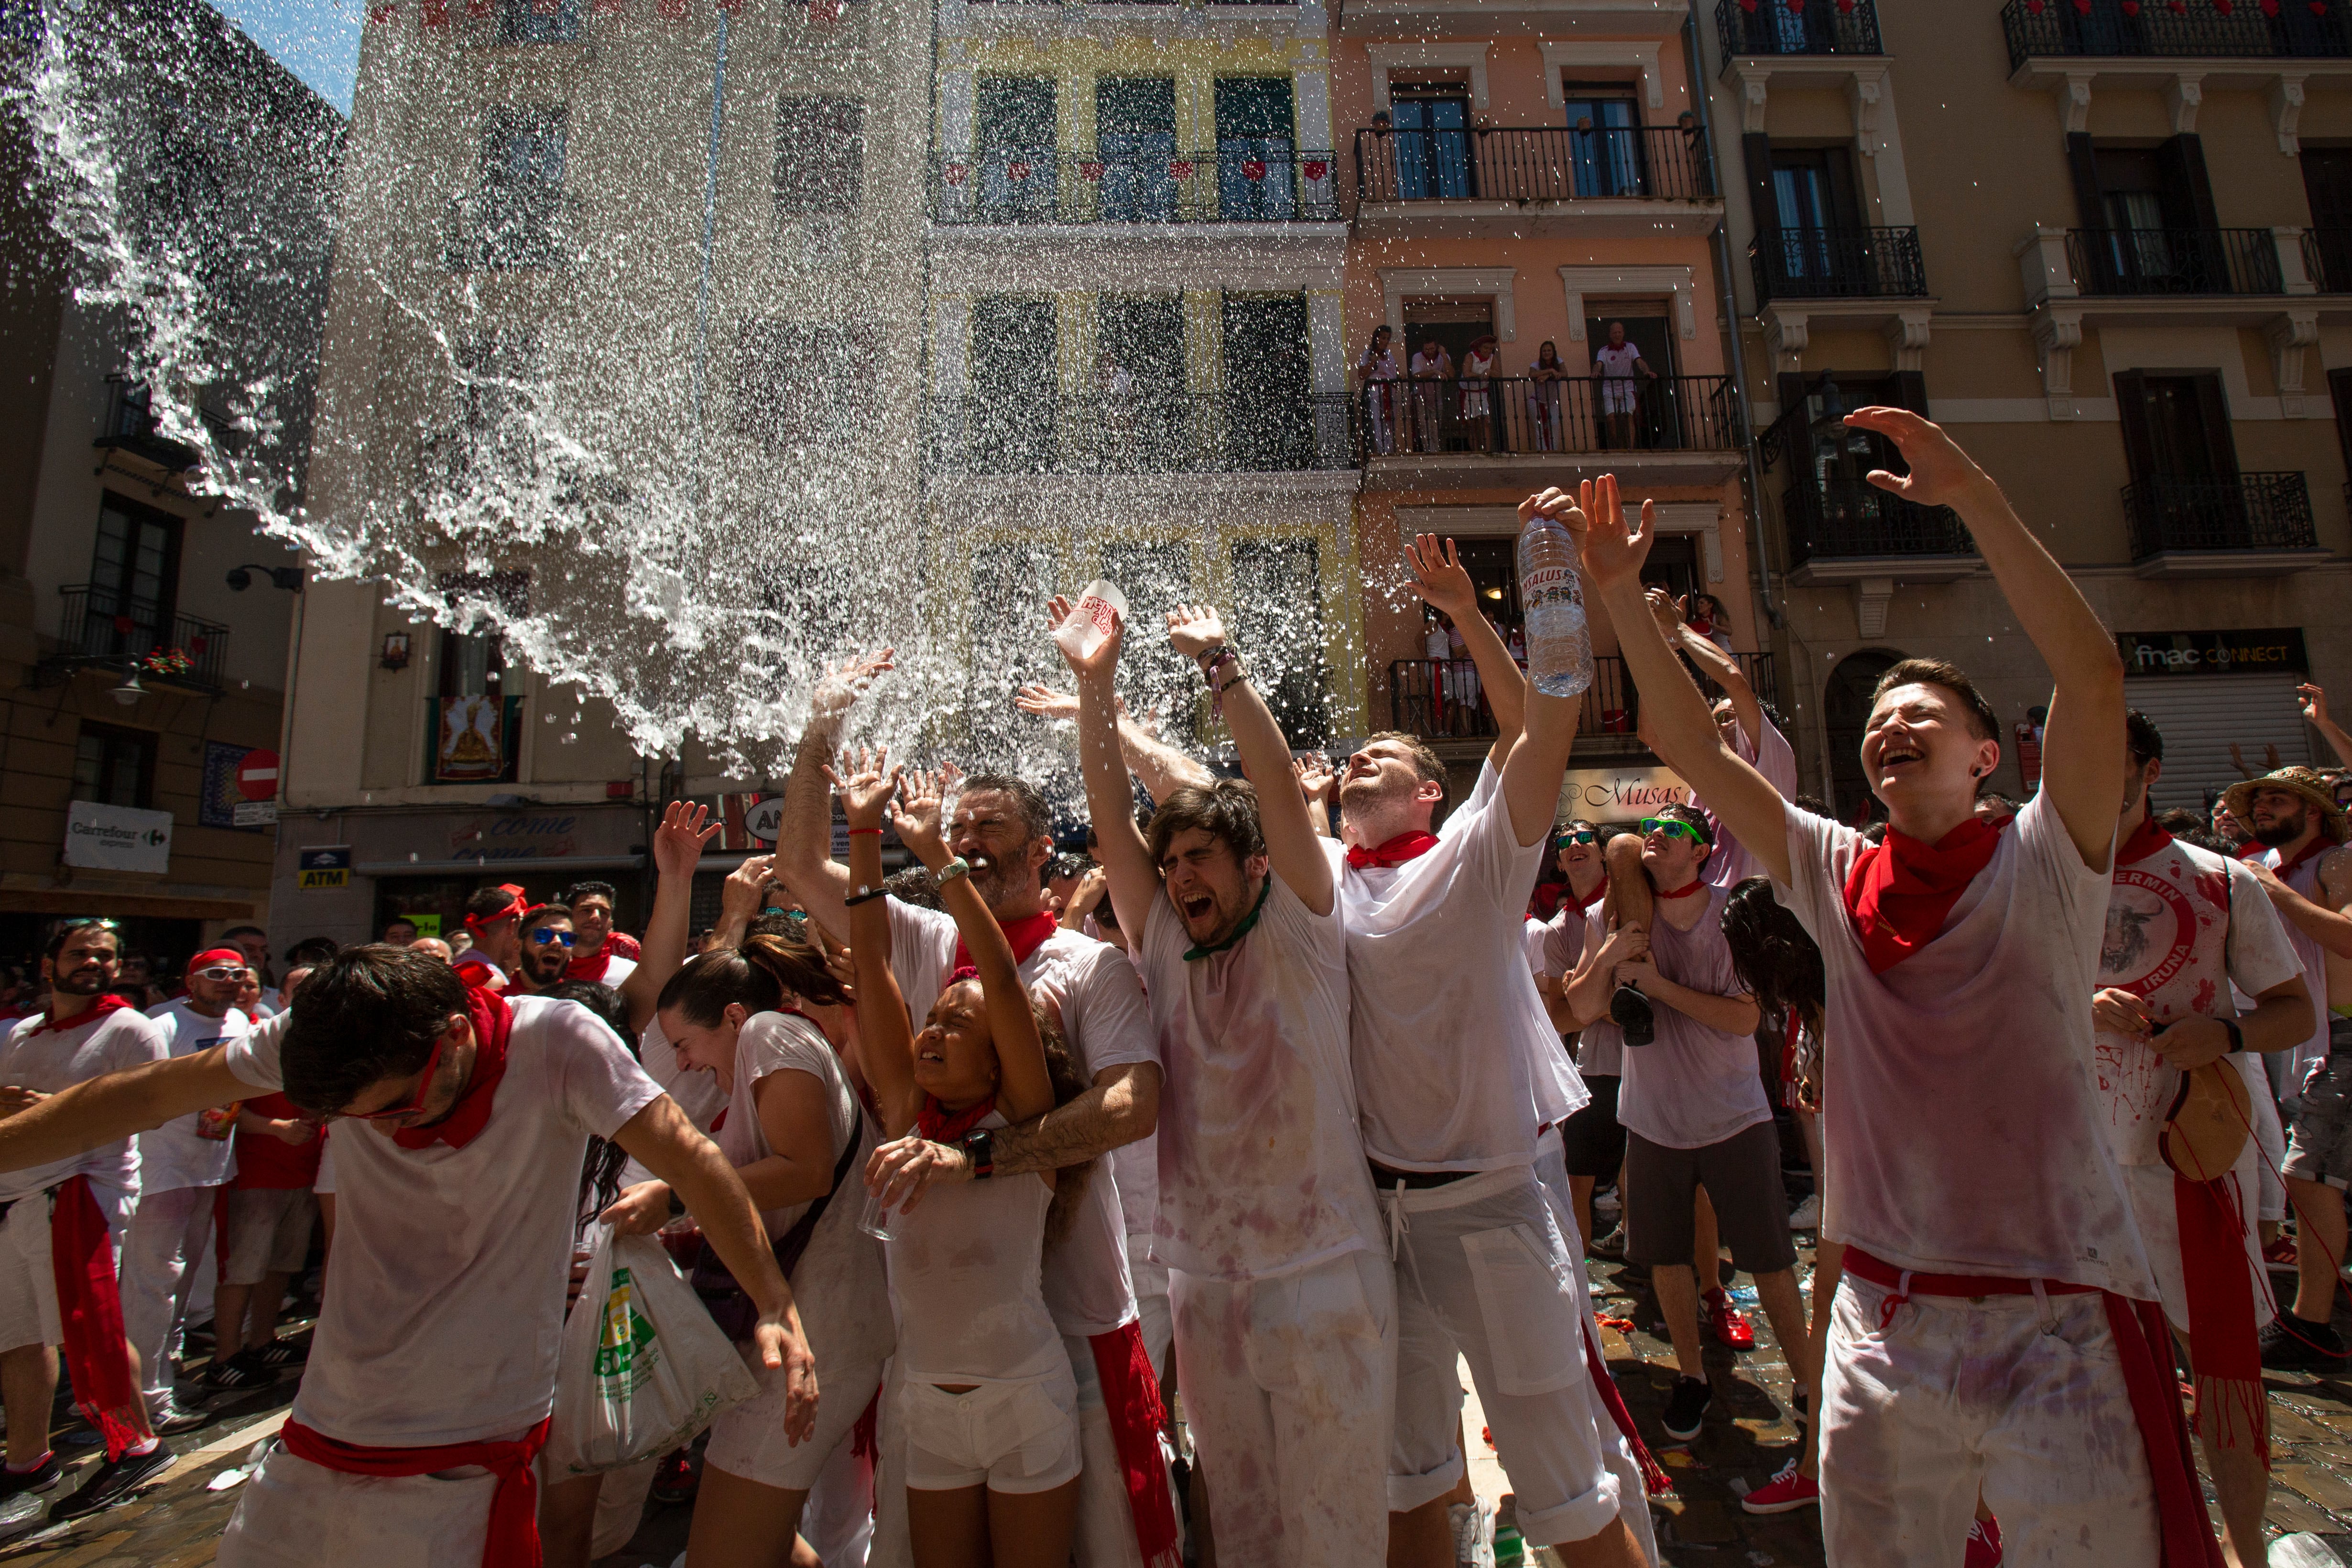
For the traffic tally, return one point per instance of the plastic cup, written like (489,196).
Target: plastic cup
(875,1218)
(1101,607)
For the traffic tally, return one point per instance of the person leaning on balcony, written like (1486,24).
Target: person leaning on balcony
(1431,365)
(1615,365)
(1377,370)
(1477,407)
(1544,380)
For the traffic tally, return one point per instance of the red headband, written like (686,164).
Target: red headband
(516,909)
(210,956)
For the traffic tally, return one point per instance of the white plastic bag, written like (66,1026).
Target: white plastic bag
(644,1368)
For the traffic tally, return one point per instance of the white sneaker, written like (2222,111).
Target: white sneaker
(1474,1533)
(1807,1215)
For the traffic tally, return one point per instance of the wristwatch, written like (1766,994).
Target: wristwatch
(980,1147)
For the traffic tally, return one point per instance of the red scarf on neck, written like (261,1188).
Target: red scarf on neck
(592,965)
(493,1021)
(1027,934)
(1404,846)
(1684,891)
(2145,841)
(1583,901)
(89,1309)
(940,1125)
(1900,893)
(110,1003)
(2320,844)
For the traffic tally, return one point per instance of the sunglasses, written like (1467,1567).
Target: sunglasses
(542,936)
(223,972)
(1565,839)
(1671,827)
(77,921)
(424,1088)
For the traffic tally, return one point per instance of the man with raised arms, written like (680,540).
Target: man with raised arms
(1285,1315)
(1997,1328)
(1002,827)
(429,1390)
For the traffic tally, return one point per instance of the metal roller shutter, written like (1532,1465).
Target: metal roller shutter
(2200,715)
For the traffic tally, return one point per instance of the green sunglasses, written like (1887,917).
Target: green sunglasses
(1580,836)
(1671,827)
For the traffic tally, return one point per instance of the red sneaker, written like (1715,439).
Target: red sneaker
(675,1478)
(1984,1543)
(2280,1255)
(1784,1493)
(1727,1320)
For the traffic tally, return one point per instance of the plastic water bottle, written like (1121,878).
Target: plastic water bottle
(1560,644)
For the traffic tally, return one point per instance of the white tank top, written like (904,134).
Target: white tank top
(966,1284)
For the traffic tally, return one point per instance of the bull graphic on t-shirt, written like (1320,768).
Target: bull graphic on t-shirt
(2126,942)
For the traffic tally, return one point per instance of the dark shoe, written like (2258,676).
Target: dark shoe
(2289,1344)
(114,1482)
(1686,1408)
(677,1480)
(241,1373)
(33,1480)
(175,1416)
(279,1353)
(1631,1010)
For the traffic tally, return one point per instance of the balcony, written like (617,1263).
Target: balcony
(1671,429)
(2194,29)
(131,428)
(2135,261)
(1137,433)
(1847,530)
(1440,699)
(1837,264)
(2249,525)
(1617,181)
(1774,27)
(1042,186)
(2328,260)
(102,627)
(501,228)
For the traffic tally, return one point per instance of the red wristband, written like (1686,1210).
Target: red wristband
(856,831)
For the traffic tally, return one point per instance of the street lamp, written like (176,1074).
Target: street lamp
(129,691)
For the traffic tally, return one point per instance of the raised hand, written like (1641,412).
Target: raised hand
(678,843)
(842,684)
(738,895)
(1059,610)
(1941,474)
(1313,775)
(1438,576)
(1666,611)
(2313,700)
(1046,701)
(1193,629)
(1610,554)
(922,799)
(870,784)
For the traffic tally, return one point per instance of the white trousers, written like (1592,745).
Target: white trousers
(160,1252)
(2269,1139)
(2020,1398)
(1289,1390)
(296,1514)
(1485,1274)
(838,1522)
(1151,1305)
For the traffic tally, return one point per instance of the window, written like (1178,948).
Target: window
(1278,616)
(134,572)
(1135,136)
(2176,425)
(1604,140)
(1015,122)
(820,155)
(114,767)
(1013,405)
(1268,422)
(474,664)
(2328,185)
(538,21)
(1431,139)
(1256,143)
(2152,210)
(807,382)
(521,192)
(1008,582)
(1156,578)
(1845,714)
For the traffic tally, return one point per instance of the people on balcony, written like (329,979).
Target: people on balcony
(1544,391)
(1431,366)
(1377,370)
(1619,367)
(1477,406)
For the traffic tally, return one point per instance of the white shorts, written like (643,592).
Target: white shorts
(2150,1189)
(296,1514)
(1290,1389)
(747,1440)
(28,1280)
(268,1232)
(1955,1395)
(1013,1436)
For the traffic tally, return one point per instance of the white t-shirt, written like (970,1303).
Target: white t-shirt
(52,1060)
(964,1281)
(1106,1024)
(1729,863)
(445,1305)
(1960,1132)
(1692,1086)
(2305,880)
(844,1304)
(2183,925)
(1445,1022)
(1261,1163)
(1616,362)
(175,1155)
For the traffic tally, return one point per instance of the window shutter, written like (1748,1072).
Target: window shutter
(2139,437)
(2213,411)
(2188,193)
(2082,162)
(1756,150)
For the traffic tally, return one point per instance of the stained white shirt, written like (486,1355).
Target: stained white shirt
(965,1281)
(176,1155)
(52,1060)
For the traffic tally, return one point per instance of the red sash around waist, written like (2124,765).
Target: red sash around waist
(514,1539)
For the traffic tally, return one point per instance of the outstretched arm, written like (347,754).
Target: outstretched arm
(1162,768)
(2082,751)
(1438,579)
(885,1045)
(2328,923)
(1119,845)
(805,860)
(2315,711)
(1533,769)
(1713,662)
(678,850)
(116,1105)
(1291,843)
(1740,797)
(738,899)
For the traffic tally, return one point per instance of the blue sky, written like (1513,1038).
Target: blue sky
(317,40)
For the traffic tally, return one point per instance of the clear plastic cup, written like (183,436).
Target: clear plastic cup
(1101,607)
(875,1219)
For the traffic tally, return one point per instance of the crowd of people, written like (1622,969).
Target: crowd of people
(1289,1097)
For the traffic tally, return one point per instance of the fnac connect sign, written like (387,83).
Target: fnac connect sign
(2274,650)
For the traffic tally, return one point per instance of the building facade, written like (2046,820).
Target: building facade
(2100,241)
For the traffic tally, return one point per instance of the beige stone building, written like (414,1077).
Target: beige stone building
(2104,244)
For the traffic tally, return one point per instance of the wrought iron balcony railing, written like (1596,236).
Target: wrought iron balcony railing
(2328,260)
(102,625)
(1137,432)
(1837,264)
(2206,29)
(501,226)
(1852,519)
(1518,417)
(130,425)
(2174,260)
(1042,185)
(1535,164)
(2252,511)
(1443,699)
(1780,27)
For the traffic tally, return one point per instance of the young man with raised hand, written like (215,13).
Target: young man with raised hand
(1997,1328)
(433,1372)
(1285,1314)
(2186,931)
(1003,828)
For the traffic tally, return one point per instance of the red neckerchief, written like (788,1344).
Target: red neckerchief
(512,1541)
(1027,934)
(2145,841)
(90,1307)
(1899,892)
(940,1125)
(493,1020)
(2319,845)
(590,968)
(1584,901)
(1404,846)
(1684,891)
(109,1002)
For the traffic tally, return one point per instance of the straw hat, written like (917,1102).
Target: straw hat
(2304,781)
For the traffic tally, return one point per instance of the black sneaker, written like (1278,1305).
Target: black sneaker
(241,1373)
(1631,1012)
(279,1353)
(1686,1408)
(40,1479)
(2291,1344)
(174,1416)
(114,1482)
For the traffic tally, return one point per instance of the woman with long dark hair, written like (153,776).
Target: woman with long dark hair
(1546,379)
